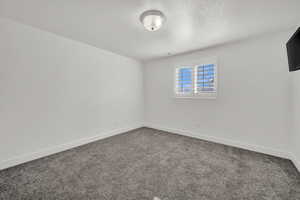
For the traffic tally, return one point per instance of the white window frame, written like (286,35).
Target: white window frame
(176,85)
(195,94)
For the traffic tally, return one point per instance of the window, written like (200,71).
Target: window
(185,80)
(196,81)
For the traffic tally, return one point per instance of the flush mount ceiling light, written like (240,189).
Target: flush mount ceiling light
(152,19)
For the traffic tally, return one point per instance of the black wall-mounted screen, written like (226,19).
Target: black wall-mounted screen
(293,49)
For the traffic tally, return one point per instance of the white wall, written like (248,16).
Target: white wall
(55,91)
(295,112)
(252,106)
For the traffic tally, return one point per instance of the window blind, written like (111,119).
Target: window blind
(184,80)
(199,81)
(205,77)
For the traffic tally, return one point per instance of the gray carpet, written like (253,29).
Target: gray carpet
(147,163)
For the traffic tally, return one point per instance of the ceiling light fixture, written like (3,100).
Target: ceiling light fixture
(152,19)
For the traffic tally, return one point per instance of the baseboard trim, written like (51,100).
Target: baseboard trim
(237,144)
(295,160)
(63,147)
(66,146)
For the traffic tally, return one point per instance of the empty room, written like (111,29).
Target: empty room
(149,100)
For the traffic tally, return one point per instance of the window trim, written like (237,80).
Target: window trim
(176,85)
(194,94)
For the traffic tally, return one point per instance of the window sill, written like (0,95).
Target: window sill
(199,96)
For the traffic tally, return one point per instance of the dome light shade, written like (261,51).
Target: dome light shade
(152,19)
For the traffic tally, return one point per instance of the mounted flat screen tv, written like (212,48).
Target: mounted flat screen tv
(293,50)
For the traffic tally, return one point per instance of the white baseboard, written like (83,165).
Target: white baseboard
(228,142)
(295,160)
(256,148)
(59,148)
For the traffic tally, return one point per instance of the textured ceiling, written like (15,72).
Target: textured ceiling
(191,24)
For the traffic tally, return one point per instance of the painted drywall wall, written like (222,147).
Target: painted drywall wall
(295,112)
(251,109)
(55,90)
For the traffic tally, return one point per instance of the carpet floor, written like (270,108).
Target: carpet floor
(147,163)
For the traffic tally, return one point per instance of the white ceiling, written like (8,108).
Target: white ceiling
(191,24)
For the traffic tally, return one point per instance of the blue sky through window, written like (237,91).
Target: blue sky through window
(205,77)
(193,80)
(185,80)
